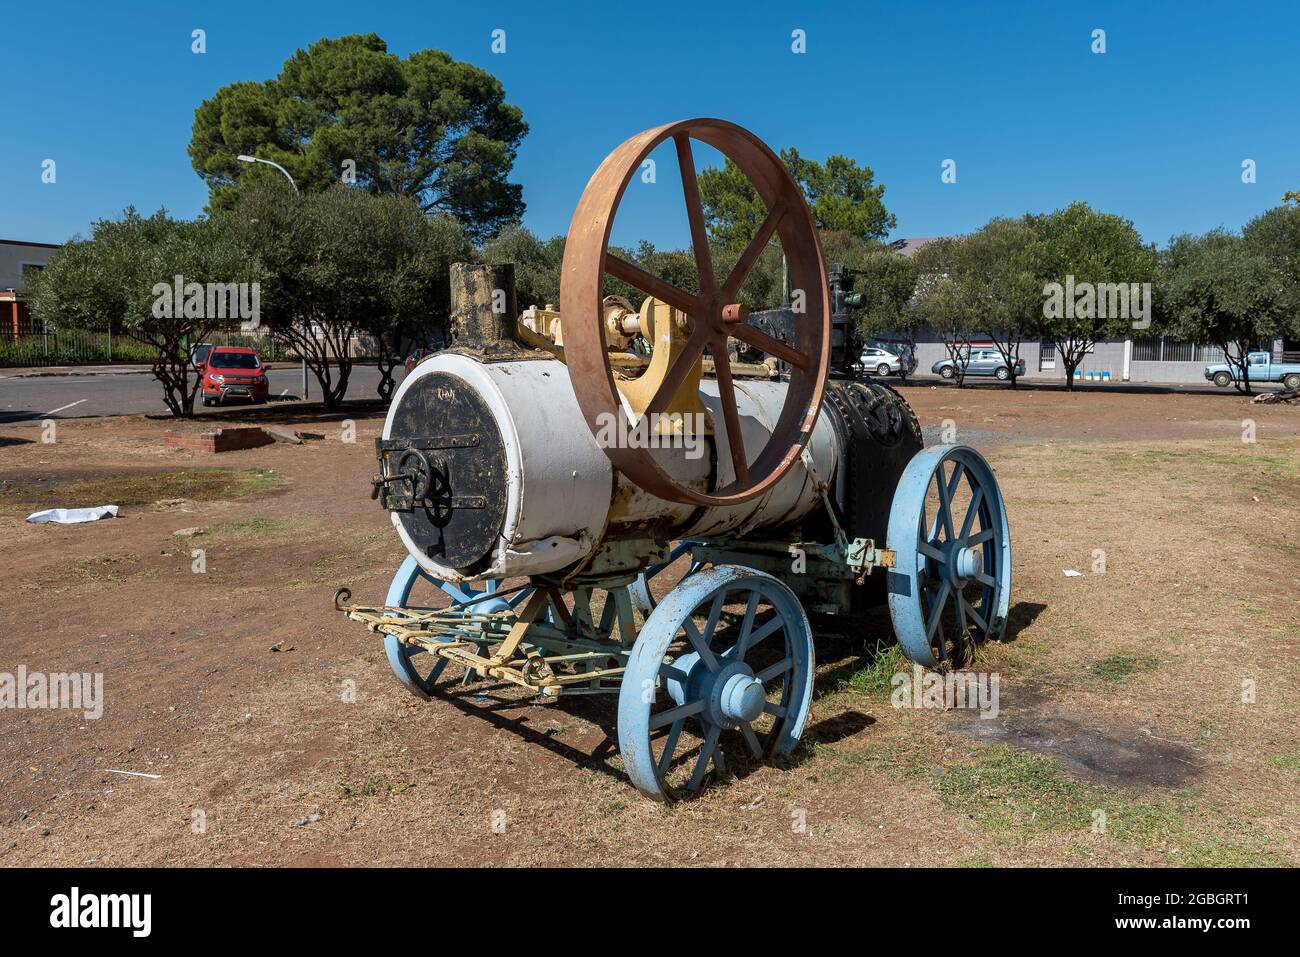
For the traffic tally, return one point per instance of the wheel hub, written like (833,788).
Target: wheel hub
(742,698)
(732,694)
(964,564)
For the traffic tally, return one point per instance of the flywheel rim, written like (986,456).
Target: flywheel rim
(712,309)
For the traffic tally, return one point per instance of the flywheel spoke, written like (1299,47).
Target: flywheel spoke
(774,347)
(695,215)
(651,285)
(745,264)
(678,371)
(730,414)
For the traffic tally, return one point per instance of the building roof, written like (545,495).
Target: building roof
(19,242)
(909,247)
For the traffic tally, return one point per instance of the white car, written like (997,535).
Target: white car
(882,362)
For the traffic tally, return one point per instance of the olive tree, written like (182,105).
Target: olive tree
(342,263)
(943,302)
(162,282)
(1097,277)
(1216,289)
(998,268)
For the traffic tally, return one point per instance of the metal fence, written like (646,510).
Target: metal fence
(52,346)
(1172,350)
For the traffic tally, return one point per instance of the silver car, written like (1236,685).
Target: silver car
(882,362)
(982,361)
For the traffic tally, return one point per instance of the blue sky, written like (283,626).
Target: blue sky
(1154,129)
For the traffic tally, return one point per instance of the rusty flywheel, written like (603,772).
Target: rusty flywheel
(715,312)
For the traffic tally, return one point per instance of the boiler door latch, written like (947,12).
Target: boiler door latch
(410,476)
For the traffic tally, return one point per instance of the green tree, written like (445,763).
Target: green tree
(341,263)
(126,274)
(1216,289)
(537,263)
(842,195)
(1275,235)
(1102,255)
(426,127)
(999,268)
(412,254)
(943,302)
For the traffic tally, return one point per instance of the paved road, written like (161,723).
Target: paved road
(33,398)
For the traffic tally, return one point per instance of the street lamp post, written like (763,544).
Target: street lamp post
(257,159)
(244,158)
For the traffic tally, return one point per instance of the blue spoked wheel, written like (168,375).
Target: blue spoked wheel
(728,654)
(951,583)
(415,668)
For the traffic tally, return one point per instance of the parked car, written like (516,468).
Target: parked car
(233,372)
(883,362)
(1261,368)
(982,362)
(418,356)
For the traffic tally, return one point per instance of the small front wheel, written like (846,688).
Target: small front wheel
(947,372)
(728,651)
(882,370)
(1003,374)
(1291,382)
(1222,379)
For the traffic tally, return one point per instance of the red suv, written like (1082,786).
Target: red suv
(233,372)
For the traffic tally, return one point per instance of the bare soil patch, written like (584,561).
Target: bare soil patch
(1122,689)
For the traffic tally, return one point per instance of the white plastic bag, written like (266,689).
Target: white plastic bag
(74,516)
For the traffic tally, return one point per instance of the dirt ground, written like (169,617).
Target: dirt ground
(1147,706)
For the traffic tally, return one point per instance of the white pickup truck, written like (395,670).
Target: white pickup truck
(1261,368)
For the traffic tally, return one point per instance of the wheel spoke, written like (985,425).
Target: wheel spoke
(751,739)
(652,285)
(925,548)
(668,671)
(945,498)
(681,712)
(936,608)
(456,592)
(706,752)
(715,612)
(747,625)
(700,645)
(771,671)
(774,347)
(695,215)
(979,538)
(776,710)
(730,414)
(975,616)
(678,370)
(765,629)
(666,759)
(740,272)
(972,511)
